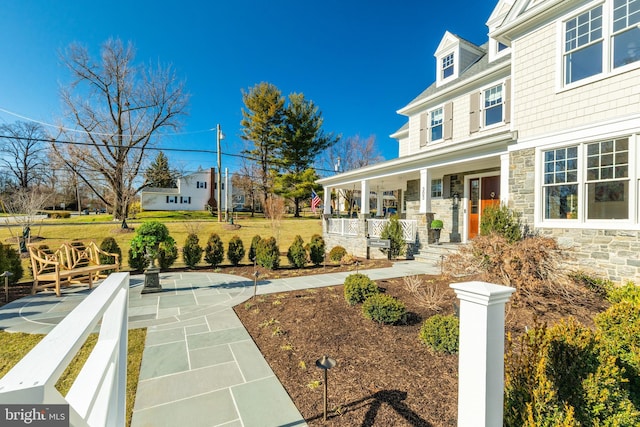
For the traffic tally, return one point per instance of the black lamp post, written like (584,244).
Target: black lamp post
(325,363)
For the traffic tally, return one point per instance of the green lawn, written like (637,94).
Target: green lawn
(14,346)
(56,231)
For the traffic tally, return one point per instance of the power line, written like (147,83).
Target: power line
(183,150)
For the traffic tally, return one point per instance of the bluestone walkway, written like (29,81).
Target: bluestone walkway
(200,366)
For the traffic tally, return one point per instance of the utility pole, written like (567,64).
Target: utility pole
(219,137)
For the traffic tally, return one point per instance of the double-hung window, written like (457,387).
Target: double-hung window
(561,183)
(447,66)
(589,179)
(583,45)
(435,124)
(436,187)
(625,38)
(493,105)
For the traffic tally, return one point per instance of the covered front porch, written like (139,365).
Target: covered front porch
(453,186)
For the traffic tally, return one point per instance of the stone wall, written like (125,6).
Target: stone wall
(613,254)
(522,184)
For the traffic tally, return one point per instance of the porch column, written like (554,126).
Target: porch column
(364,197)
(481,358)
(504,178)
(327,200)
(379,202)
(425,190)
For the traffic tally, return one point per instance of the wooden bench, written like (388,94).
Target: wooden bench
(72,262)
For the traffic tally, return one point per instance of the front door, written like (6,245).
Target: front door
(483,192)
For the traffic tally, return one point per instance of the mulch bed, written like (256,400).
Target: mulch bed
(384,375)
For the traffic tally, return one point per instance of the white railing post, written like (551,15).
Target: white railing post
(97,396)
(481,358)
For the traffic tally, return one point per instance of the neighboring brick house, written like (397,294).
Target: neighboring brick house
(544,117)
(193,193)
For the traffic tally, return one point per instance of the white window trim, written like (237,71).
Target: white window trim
(481,110)
(440,80)
(607,54)
(429,140)
(494,54)
(441,188)
(633,223)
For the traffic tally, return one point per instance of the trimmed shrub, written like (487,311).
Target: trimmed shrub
(501,220)
(214,251)
(384,309)
(167,254)
(235,251)
(393,231)
(268,253)
(137,261)
(152,237)
(629,292)
(441,333)
(358,287)
(316,249)
(254,247)
(110,245)
(10,261)
(563,376)
(297,254)
(192,251)
(336,253)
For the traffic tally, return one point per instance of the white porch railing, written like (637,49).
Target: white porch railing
(409,228)
(343,226)
(97,396)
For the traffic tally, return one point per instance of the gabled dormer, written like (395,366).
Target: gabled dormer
(497,48)
(453,56)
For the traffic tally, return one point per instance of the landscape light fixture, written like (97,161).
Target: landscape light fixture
(325,363)
(255,282)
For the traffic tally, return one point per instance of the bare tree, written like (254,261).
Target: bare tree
(352,153)
(23,152)
(23,206)
(245,181)
(118,109)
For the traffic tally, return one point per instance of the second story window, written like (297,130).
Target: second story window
(626,32)
(492,105)
(583,45)
(447,66)
(435,126)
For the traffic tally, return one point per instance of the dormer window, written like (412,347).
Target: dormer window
(447,66)
(502,46)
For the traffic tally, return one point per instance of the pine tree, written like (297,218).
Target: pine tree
(158,174)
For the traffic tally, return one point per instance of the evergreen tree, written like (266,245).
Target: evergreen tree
(262,120)
(158,174)
(302,140)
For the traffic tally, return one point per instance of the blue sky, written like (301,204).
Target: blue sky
(359,61)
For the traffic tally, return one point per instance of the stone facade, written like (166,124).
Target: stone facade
(522,184)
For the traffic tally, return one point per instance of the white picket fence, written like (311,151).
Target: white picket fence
(97,396)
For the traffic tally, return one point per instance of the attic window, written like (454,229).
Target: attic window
(501,47)
(447,66)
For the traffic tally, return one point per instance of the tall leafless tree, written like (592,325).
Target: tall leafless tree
(117,109)
(23,151)
(352,153)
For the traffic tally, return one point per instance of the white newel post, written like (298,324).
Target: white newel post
(327,200)
(481,358)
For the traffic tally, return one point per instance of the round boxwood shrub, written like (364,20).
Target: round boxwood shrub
(268,253)
(214,251)
(336,253)
(297,254)
(384,309)
(10,261)
(110,245)
(152,237)
(254,247)
(235,251)
(192,251)
(316,249)
(358,287)
(441,333)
